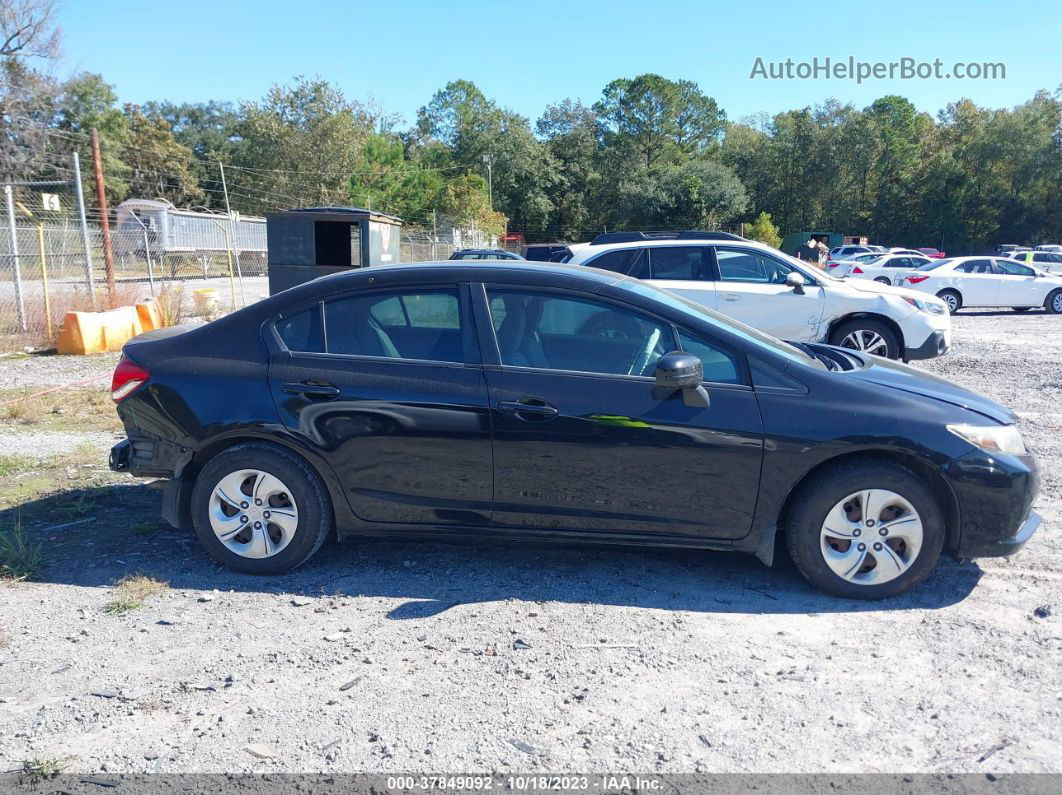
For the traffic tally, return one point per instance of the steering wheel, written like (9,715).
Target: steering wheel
(642,359)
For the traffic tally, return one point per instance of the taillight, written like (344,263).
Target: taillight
(916,279)
(128,376)
(832,264)
(857,269)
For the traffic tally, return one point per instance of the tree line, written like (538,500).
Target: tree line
(650,153)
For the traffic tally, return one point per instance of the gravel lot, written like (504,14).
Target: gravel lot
(380,656)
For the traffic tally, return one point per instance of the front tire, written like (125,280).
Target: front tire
(867,335)
(260,509)
(952,299)
(1053,304)
(868,530)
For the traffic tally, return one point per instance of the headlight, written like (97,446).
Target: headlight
(932,307)
(993,438)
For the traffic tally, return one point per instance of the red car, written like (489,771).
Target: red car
(933,253)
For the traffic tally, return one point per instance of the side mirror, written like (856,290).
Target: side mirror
(678,371)
(796,281)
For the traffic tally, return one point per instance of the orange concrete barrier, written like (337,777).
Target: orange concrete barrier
(150,317)
(95,332)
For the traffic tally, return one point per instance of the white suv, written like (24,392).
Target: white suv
(768,290)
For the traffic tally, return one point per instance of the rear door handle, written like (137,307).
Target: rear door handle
(319,391)
(539,408)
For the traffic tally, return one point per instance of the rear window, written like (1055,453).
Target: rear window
(932,266)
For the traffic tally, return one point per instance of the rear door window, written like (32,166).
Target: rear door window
(677,263)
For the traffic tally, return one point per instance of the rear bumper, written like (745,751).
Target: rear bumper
(937,344)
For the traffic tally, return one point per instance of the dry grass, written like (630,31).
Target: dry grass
(170,302)
(131,592)
(20,558)
(69,409)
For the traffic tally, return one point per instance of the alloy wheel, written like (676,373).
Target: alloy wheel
(253,513)
(867,340)
(1056,302)
(951,301)
(871,537)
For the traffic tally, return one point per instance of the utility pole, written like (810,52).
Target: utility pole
(434,232)
(84,230)
(490,180)
(101,197)
(232,235)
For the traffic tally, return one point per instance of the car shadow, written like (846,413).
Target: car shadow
(986,312)
(119,533)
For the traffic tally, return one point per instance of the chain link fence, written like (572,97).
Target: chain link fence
(55,266)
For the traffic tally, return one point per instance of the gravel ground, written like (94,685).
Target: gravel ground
(380,656)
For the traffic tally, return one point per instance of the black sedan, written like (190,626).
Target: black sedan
(554,402)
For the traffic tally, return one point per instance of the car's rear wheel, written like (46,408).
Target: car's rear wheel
(867,530)
(1053,304)
(867,335)
(260,509)
(883,280)
(952,299)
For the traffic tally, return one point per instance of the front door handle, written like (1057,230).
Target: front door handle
(538,408)
(320,391)
(730,297)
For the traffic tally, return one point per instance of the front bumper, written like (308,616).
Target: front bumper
(937,344)
(995,495)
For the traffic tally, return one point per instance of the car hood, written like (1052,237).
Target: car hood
(879,288)
(895,375)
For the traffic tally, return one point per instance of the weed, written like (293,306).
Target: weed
(20,558)
(14,464)
(36,770)
(170,302)
(145,528)
(131,591)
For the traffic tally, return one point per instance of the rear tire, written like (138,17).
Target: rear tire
(883,280)
(1053,304)
(868,335)
(820,514)
(273,534)
(952,299)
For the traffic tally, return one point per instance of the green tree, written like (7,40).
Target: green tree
(298,145)
(464,199)
(159,167)
(764,230)
(390,182)
(88,102)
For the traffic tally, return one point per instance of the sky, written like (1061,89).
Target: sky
(528,55)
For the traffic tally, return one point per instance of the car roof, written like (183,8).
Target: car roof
(583,251)
(473,270)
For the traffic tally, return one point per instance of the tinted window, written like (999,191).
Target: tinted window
(742,265)
(613,260)
(560,333)
(975,266)
(302,331)
(425,324)
(676,262)
(720,365)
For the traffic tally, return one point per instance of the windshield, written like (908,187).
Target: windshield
(752,335)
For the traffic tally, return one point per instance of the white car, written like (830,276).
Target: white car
(852,250)
(887,268)
(988,281)
(770,291)
(1049,261)
(1055,247)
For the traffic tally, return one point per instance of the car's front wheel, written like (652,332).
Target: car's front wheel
(867,335)
(865,530)
(260,509)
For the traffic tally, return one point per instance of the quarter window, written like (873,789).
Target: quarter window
(616,261)
(554,332)
(302,331)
